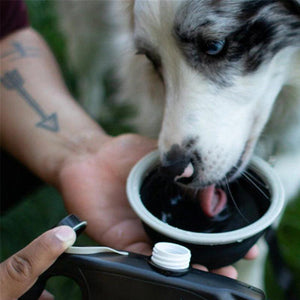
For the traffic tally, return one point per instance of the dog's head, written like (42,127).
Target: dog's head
(222,65)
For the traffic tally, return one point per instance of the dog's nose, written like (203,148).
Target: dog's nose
(175,161)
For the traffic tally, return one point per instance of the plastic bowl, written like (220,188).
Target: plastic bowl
(218,249)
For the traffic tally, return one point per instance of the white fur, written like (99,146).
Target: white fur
(264,104)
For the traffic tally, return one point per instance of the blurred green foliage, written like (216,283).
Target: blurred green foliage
(43,18)
(288,235)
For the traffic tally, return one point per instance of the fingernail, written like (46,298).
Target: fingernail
(66,234)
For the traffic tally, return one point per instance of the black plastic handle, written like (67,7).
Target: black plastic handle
(64,266)
(113,276)
(131,276)
(73,222)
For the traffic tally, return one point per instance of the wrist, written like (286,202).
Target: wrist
(72,148)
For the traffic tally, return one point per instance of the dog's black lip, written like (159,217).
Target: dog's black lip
(194,160)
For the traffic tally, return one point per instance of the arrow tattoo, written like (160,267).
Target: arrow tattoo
(12,80)
(18,50)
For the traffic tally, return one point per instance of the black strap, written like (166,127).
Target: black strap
(282,273)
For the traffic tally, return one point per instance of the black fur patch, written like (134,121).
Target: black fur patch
(250,8)
(251,42)
(293,6)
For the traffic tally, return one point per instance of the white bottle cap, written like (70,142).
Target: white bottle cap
(171,256)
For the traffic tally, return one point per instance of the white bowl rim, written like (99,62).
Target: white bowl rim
(263,169)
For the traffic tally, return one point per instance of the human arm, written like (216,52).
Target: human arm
(36,94)
(71,151)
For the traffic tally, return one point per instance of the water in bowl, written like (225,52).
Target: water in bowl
(247,200)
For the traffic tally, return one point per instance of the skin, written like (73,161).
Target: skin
(72,153)
(20,271)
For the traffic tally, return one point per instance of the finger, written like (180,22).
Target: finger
(252,253)
(20,271)
(46,296)
(229,271)
(200,267)
(140,247)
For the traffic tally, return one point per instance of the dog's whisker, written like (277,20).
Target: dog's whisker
(256,186)
(261,183)
(254,181)
(234,202)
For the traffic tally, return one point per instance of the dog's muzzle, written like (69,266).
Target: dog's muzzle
(179,165)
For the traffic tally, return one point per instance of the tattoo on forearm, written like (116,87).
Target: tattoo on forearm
(19,50)
(12,80)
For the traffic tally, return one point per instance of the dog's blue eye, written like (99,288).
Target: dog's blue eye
(214,47)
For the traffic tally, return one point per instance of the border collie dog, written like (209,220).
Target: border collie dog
(213,80)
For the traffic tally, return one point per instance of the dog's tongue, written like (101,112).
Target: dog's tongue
(212,200)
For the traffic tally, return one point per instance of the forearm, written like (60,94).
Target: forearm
(40,122)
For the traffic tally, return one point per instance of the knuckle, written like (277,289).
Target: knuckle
(131,136)
(127,138)
(49,244)
(45,243)
(19,268)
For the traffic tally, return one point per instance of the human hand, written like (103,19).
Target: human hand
(20,271)
(93,188)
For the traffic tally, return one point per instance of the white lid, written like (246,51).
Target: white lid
(171,256)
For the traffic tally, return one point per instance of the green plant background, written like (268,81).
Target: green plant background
(44,208)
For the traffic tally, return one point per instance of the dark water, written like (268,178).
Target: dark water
(179,207)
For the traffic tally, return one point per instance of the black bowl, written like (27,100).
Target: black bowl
(214,242)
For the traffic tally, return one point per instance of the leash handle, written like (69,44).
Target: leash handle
(113,275)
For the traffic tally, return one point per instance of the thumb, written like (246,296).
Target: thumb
(20,271)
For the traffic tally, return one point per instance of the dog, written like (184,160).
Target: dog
(215,81)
